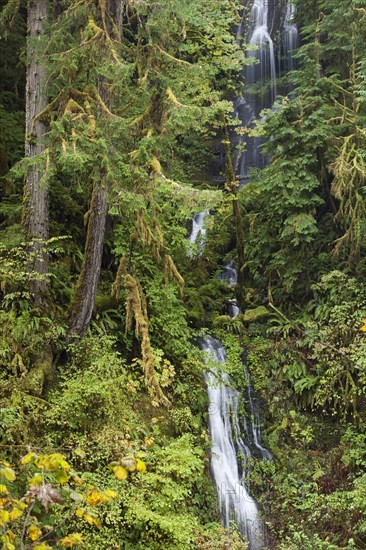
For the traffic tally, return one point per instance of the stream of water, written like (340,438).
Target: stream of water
(236,438)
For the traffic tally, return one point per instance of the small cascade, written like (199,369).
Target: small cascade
(260,38)
(254,430)
(230,277)
(198,233)
(234,440)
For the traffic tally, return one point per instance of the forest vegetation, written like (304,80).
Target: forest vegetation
(116,120)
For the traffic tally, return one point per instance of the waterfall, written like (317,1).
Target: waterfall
(263,67)
(230,462)
(235,440)
(260,79)
(235,502)
(198,233)
(230,454)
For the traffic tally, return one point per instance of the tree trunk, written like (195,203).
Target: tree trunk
(35,213)
(82,305)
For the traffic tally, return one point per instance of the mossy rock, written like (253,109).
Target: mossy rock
(40,372)
(253,315)
(222,320)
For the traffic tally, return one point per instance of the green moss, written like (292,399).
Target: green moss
(256,314)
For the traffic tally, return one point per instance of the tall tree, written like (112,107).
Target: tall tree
(83,301)
(35,216)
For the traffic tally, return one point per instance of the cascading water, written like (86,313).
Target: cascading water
(198,233)
(290,39)
(234,439)
(230,473)
(235,502)
(260,78)
(264,66)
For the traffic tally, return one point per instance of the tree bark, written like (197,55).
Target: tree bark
(36,201)
(82,305)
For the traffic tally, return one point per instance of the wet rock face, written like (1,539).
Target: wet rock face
(276,16)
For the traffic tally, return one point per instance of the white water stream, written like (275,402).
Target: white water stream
(236,504)
(236,439)
(198,234)
(260,80)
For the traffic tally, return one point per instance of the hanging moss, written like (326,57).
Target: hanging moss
(256,314)
(171,272)
(147,237)
(136,307)
(121,272)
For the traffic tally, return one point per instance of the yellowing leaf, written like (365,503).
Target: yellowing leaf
(10,535)
(110,493)
(40,461)
(4,516)
(77,480)
(94,497)
(363,328)
(15,513)
(90,518)
(140,466)
(4,490)
(42,546)
(120,472)
(96,522)
(56,461)
(35,480)
(28,458)
(62,476)
(34,532)
(7,473)
(7,543)
(72,540)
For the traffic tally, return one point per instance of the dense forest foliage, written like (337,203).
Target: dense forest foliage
(115,126)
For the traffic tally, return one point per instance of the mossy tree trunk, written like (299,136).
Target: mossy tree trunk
(35,213)
(83,301)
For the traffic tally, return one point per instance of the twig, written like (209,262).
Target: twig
(25,524)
